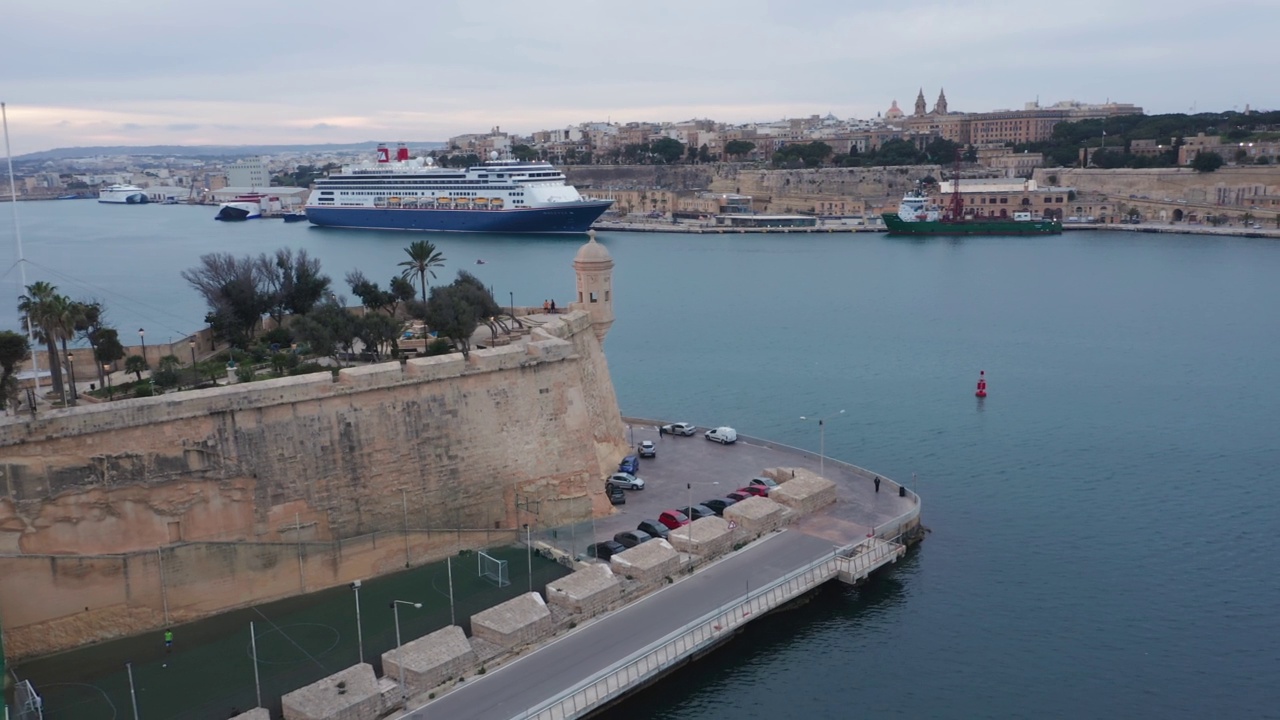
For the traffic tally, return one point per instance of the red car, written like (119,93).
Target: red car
(673,519)
(739,496)
(757,490)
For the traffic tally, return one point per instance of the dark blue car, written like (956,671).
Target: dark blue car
(629,464)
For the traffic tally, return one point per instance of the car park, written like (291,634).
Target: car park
(673,519)
(754,490)
(604,550)
(680,428)
(626,481)
(697,512)
(768,483)
(722,435)
(630,464)
(631,538)
(647,449)
(654,528)
(617,496)
(718,505)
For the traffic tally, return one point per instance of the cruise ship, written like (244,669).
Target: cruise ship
(404,193)
(123,195)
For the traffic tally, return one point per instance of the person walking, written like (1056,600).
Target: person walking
(168,641)
(877,483)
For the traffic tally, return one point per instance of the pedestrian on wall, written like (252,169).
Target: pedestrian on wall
(553,306)
(546,307)
(877,483)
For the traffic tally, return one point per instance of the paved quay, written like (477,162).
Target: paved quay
(685,466)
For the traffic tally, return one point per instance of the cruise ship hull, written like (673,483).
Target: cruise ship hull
(568,218)
(897,226)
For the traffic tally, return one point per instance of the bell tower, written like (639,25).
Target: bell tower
(940,107)
(594,269)
(920,105)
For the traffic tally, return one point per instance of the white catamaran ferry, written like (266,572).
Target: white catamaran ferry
(123,195)
(414,194)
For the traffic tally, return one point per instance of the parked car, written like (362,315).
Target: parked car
(626,480)
(718,505)
(654,528)
(680,428)
(755,490)
(767,483)
(632,538)
(697,512)
(722,435)
(673,519)
(629,464)
(604,550)
(738,496)
(647,449)
(617,496)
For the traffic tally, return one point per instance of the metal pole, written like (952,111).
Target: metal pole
(404,503)
(822,449)
(528,541)
(253,645)
(133,695)
(395,610)
(297,530)
(164,591)
(359,630)
(449,565)
(22,263)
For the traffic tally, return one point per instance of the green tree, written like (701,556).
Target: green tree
(109,348)
(523,152)
(669,150)
(328,330)
(1206,161)
(14,350)
(423,258)
(42,307)
(377,331)
(167,373)
(236,293)
(738,148)
(402,291)
(136,365)
(292,283)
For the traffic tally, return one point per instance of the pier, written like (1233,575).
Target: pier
(611,656)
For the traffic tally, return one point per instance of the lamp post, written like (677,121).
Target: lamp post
(142,333)
(71,367)
(194,377)
(106,370)
(822,440)
(513,303)
(528,543)
(395,610)
(359,630)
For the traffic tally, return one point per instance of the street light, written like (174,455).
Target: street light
(106,369)
(71,367)
(192,344)
(359,630)
(822,440)
(395,610)
(142,333)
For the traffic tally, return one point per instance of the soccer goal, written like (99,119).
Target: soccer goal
(493,569)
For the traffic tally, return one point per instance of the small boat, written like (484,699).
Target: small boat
(73,196)
(238,211)
(295,217)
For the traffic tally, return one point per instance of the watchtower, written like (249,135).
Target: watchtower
(594,269)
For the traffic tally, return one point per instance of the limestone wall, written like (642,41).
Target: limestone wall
(432,443)
(1232,186)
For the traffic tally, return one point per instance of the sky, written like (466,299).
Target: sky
(140,72)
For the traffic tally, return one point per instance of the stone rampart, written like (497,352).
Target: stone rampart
(428,443)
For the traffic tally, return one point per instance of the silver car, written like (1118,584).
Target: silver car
(626,480)
(680,428)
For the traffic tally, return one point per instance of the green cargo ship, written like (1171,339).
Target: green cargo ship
(916,216)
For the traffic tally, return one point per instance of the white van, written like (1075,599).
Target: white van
(722,435)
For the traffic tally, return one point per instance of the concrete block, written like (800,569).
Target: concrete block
(254,714)
(707,538)
(518,621)
(589,591)
(352,694)
(756,516)
(649,563)
(805,492)
(429,661)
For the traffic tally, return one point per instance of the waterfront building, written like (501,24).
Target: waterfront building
(1001,197)
(248,173)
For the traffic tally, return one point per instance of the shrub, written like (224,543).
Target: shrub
(439,346)
(245,372)
(143,390)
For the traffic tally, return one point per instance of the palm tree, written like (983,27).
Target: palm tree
(423,256)
(135,364)
(39,308)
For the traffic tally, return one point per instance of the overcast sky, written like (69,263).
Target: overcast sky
(129,72)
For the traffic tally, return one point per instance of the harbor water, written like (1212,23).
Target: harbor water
(1104,525)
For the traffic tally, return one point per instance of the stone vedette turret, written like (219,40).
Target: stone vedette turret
(594,268)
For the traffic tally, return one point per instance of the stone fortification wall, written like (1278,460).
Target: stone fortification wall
(437,442)
(1234,185)
(640,177)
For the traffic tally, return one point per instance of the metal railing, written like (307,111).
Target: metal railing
(652,660)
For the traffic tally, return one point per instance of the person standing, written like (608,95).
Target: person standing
(877,483)
(168,641)
(553,306)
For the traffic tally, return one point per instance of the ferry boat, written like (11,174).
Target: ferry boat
(406,193)
(918,216)
(123,195)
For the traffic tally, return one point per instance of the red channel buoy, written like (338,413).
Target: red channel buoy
(982,384)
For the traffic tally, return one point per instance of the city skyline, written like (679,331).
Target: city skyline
(152,73)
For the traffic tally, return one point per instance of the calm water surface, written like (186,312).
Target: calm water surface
(1104,525)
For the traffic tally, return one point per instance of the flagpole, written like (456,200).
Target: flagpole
(22,262)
